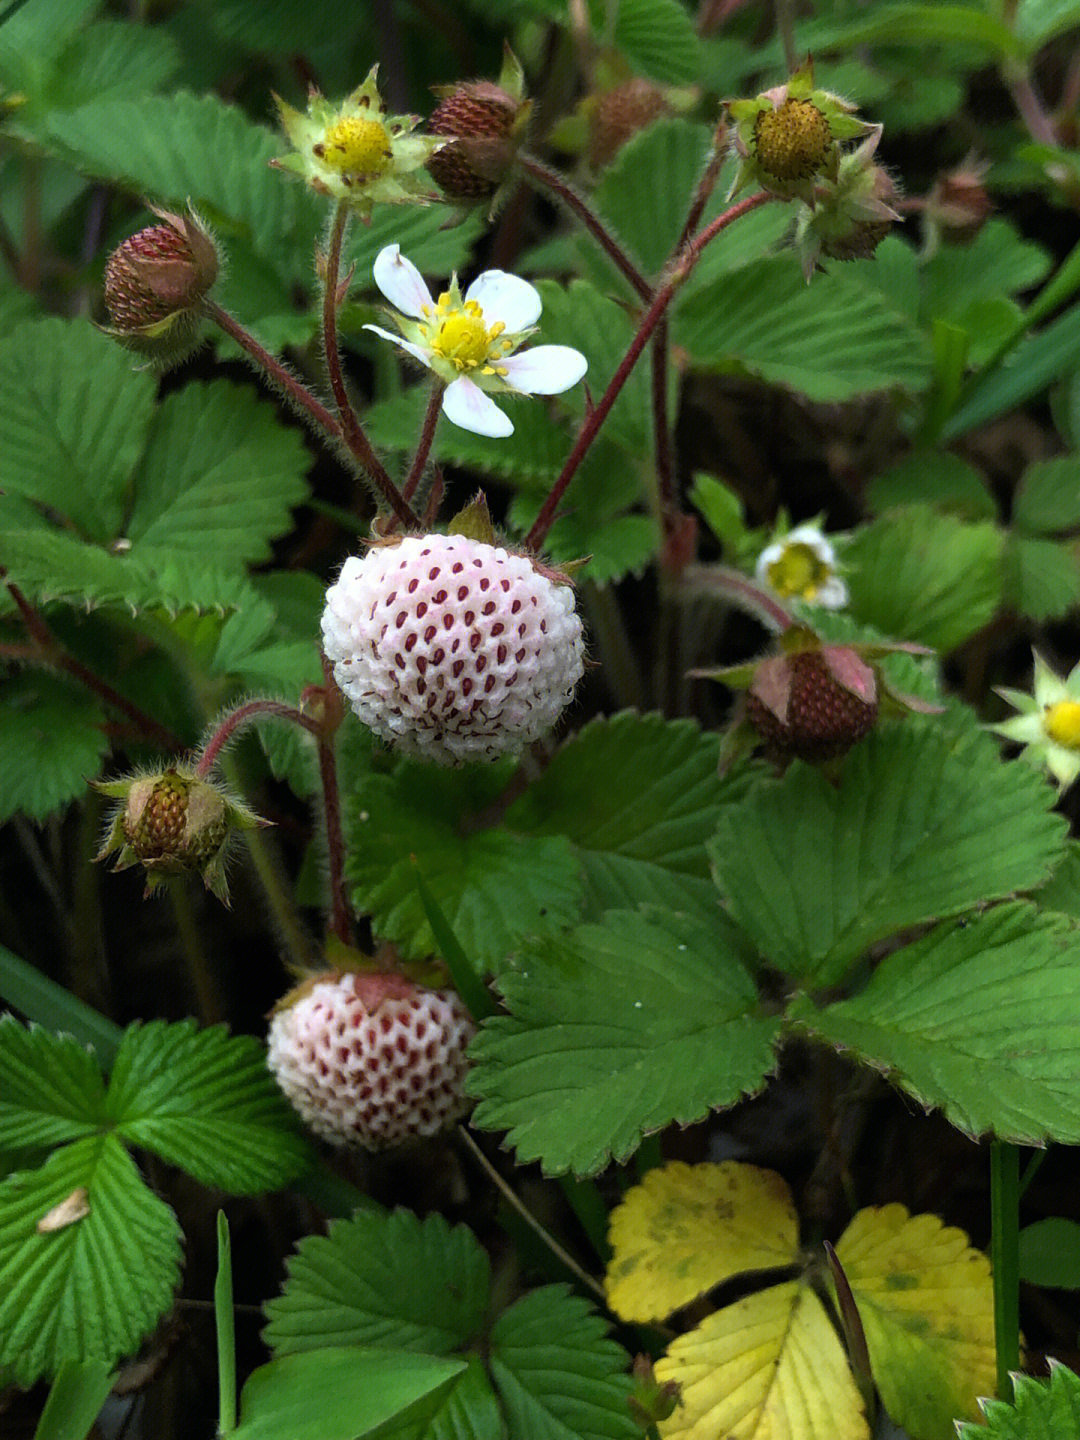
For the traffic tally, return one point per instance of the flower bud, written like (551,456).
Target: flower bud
(154,284)
(958,205)
(486,125)
(618,114)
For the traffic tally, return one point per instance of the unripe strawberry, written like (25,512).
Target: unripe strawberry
(371,1059)
(486,124)
(170,822)
(154,284)
(958,204)
(793,141)
(452,649)
(814,704)
(619,113)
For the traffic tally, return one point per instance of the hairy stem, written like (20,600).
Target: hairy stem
(243,716)
(427,436)
(738,589)
(340,919)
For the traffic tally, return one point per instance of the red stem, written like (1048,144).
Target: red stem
(427,436)
(684,264)
(556,185)
(242,716)
(665,461)
(352,431)
(55,654)
(340,921)
(738,588)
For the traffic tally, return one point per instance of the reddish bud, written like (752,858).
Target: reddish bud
(154,283)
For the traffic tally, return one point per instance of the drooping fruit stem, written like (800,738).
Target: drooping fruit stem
(244,715)
(738,589)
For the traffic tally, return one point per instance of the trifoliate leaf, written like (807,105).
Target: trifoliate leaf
(934,477)
(92,1288)
(1040,1410)
(1042,578)
(52,738)
(770,1365)
(1047,500)
(926,1303)
(829,341)
(1050,1253)
(615,1031)
(342,1393)
(919,575)
(877,853)
(73,418)
(204,1100)
(931,1017)
(686,1228)
(556,1373)
(50,1088)
(493,885)
(218,477)
(642,843)
(388,1280)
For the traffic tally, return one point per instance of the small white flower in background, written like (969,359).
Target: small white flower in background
(1048,725)
(470,341)
(801,565)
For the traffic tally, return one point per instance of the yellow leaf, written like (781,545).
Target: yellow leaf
(926,1302)
(769,1367)
(686,1228)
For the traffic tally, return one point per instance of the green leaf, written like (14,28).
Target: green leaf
(115,59)
(1042,578)
(921,824)
(659,40)
(435,250)
(1047,500)
(493,885)
(931,1017)
(73,418)
(219,475)
(829,341)
(934,477)
(615,1031)
(75,1400)
(204,1100)
(1039,1411)
(1050,1254)
(919,575)
(557,1374)
(92,1289)
(357,1391)
(52,737)
(46,1003)
(643,841)
(1062,890)
(996,263)
(1027,370)
(388,1280)
(1038,21)
(50,1088)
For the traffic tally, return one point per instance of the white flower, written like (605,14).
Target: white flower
(470,342)
(802,566)
(1049,723)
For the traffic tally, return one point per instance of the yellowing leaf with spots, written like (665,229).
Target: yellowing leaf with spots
(769,1367)
(926,1302)
(686,1228)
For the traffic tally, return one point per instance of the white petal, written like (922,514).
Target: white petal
(466,405)
(833,595)
(545,370)
(504,297)
(769,556)
(813,539)
(414,350)
(401,282)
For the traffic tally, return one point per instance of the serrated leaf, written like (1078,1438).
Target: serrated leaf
(113,58)
(926,1303)
(50,1088)
(1050,1254)
(493,885)
(218,477)
(1062,890)
(435,249)
(686,1228)
(73,418)
(996,263)
(829,341)
(388,1280)
(920,825)
(52,739)
(1047,500)
(92,1289)
(615,1031)
(557,1374)
(643,842)
(358,1390)
(769,1365)
(934,477)
(659,40)
(930,1017)
(919,575)
(204,1100)
(1039,1411)
(1042,578)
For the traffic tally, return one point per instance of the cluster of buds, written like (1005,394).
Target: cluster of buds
(170,822)
(155,283)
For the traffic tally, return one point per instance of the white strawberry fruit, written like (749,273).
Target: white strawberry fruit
(453,649)
(371,1059)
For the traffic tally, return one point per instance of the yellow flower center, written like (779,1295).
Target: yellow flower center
(793,140)
(1061,721)
(353,146)
(799,571)
(459,333)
